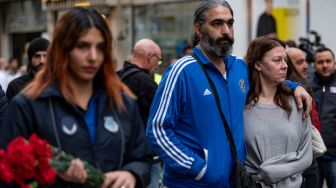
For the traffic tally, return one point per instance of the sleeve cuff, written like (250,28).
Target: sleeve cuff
(292,85)
(200,166)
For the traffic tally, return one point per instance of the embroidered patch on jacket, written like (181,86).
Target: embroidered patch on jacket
(332,89)
(110,124)
(242,85)
(69,125)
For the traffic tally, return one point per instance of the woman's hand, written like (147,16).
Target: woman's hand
(75,173)
(119,179)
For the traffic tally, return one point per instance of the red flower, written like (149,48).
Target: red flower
(27,162)
(21,159)
(41,147)
(42,150)
(32,162)
(6,174)
(44,173)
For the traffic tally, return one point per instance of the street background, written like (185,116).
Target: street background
(168,22)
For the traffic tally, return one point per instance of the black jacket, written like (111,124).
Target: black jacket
(266,25)
(143,86)
(16,85)
(325,94)
(3,105)
(120,140)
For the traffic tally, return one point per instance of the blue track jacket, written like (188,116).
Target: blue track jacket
(185,127)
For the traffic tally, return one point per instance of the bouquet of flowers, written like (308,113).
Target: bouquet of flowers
(34,162)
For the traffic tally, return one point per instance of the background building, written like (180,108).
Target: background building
(168,22)
(20,22)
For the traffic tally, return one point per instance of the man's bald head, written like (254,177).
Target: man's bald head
(298,57)
(147,54)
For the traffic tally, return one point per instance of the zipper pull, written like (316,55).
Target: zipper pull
(323,89)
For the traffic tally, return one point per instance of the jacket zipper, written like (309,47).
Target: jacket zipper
(321,99)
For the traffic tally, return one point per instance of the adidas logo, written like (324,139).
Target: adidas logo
(206,92)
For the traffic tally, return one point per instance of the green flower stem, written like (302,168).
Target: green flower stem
(61,162)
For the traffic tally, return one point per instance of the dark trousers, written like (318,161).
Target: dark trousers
(310,176)
(327,171)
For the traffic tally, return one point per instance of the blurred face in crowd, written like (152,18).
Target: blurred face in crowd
(13,65)
(324,63)
(273,66)
(3,64)
(39,59)
(298,58)
(87,56)
(216,34)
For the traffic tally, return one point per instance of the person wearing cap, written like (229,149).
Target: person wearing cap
(37,53)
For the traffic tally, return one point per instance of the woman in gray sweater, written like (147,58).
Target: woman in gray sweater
(278,140)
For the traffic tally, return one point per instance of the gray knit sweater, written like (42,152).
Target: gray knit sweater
(279,148)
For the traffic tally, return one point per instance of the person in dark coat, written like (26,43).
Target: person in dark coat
(77,103)
(266,22)
(37,54)
(323,85)
(3,105)
(137,74)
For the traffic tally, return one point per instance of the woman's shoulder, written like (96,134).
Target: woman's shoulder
(21,98)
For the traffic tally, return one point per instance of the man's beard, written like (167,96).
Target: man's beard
(35,68)
(220,47)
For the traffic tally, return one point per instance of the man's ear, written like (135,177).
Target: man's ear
(148,58)
(198,29)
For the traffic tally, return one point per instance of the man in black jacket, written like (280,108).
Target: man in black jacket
(137,75)
(266,22)
(37,54)
(3,105)
(324,88)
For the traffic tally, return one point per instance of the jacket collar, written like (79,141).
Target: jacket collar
(325,80)
(128,65)
(205,60)
(53,90)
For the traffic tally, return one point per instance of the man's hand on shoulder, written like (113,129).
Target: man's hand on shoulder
(301,95)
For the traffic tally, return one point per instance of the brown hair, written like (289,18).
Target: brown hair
(69,28)
(255,52)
